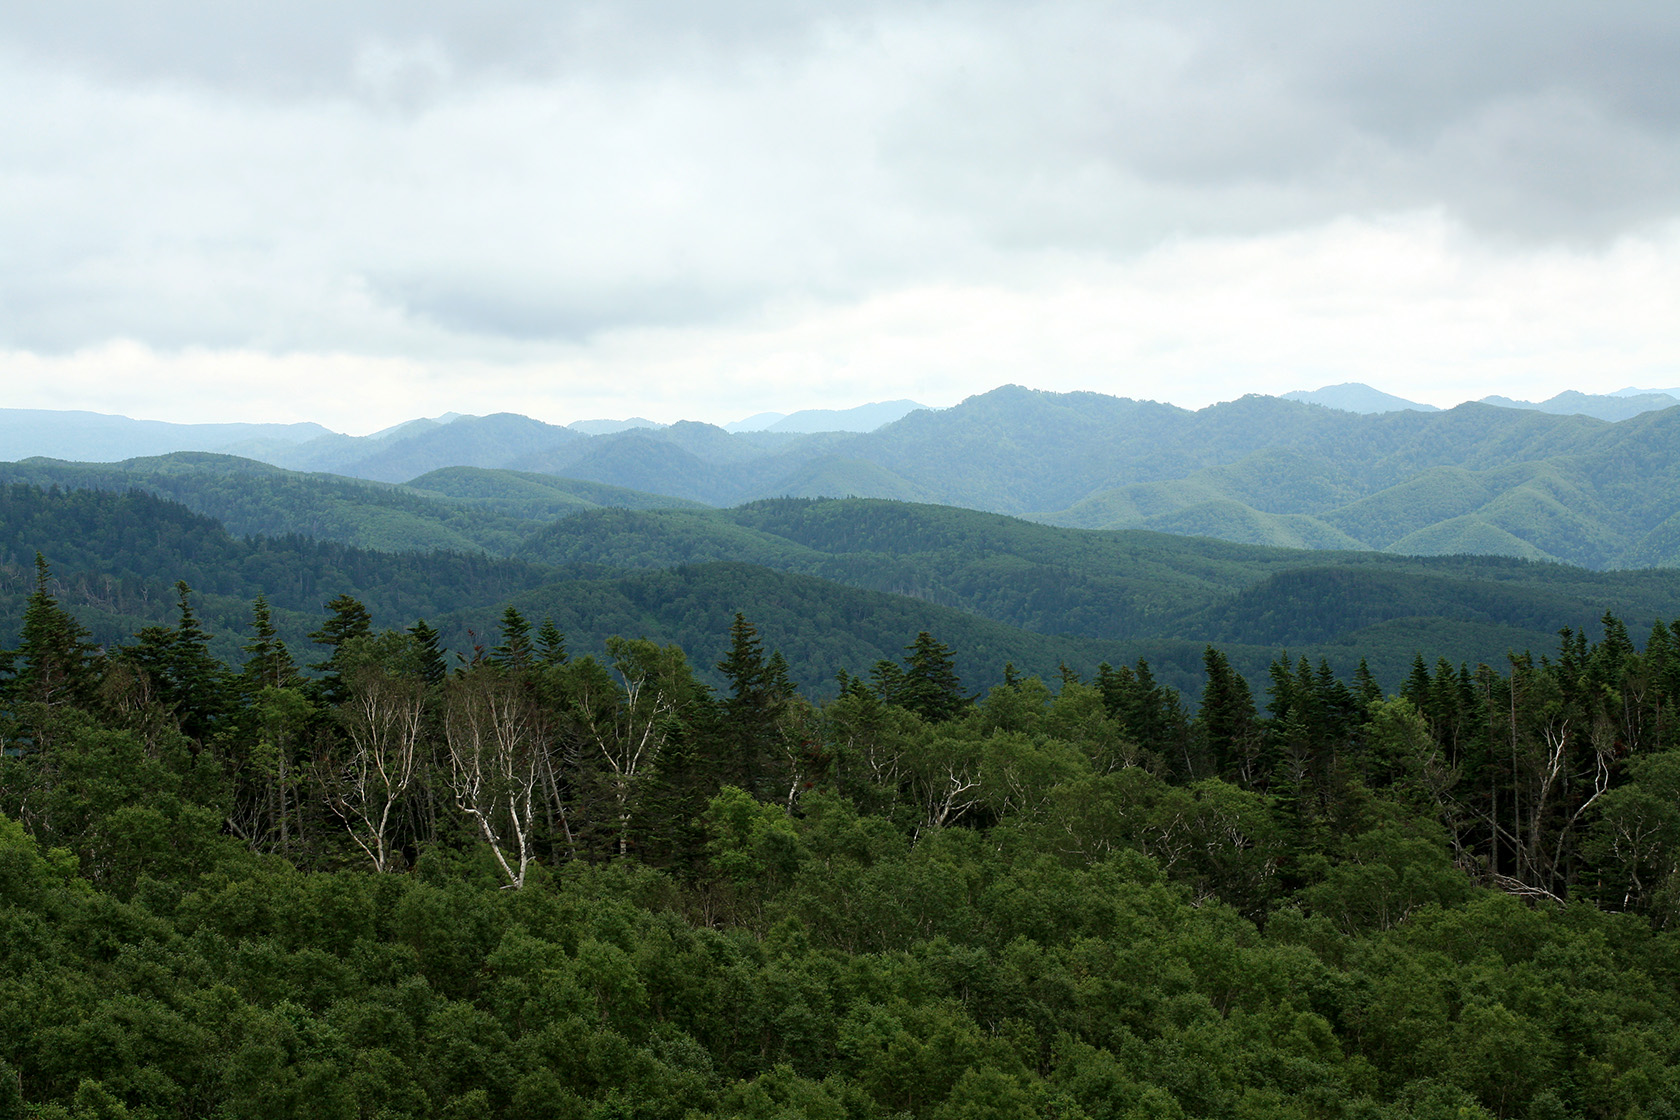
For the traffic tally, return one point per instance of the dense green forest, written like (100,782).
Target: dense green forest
(115,557)
(559,877)
(873,570)
(664,818)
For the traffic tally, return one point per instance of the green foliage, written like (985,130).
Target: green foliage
(1066,899)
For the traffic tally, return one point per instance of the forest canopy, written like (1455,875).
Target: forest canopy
(365,878)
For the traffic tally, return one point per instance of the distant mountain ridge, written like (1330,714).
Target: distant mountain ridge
(863,418)
(1539,484)
(1620,405)
(1355,397)
(1613,406)
(99,437)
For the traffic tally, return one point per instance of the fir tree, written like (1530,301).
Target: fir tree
(429,654)
(54,663)
(514,652)
(930,687)
(197,680)
(1226,722)
(551,644)
(349,620)
(270,663)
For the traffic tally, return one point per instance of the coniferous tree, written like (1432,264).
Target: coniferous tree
(930,686)
(551,644)
(270,663)
(514,652)
(428,654)
(1226,722)
(349,619)
(749,707)
(887,678)
(198,680)
(1366,689)
(55,663)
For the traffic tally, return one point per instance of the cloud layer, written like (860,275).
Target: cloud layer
(728,207)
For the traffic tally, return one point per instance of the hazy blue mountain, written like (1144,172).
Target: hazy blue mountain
(1353,396)
(757,422)
(1602,406)
(863,418)
(608,427)
(420,446)
(1475,479)
(1543,484)
(535,497)
(96,437)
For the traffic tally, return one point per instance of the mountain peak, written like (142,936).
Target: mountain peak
(1352,396)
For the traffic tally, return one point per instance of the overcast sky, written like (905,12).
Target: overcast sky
(358,213)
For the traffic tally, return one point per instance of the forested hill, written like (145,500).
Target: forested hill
(561,882)
(995,588)
(1133,584)
(1476,478)
(115,559)
(1264,470)
(462,509)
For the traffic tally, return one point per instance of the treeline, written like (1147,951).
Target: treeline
(522,882)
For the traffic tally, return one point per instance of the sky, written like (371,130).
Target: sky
(361,212)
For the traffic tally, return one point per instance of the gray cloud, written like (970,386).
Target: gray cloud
(404,177)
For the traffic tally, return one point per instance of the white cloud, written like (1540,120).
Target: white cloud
(708,210)
(1411,305)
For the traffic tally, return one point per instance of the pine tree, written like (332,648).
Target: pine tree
(514,652)
(270,664)
(429,654)
(349,620)
(551,644)
(55,663)
(930,687)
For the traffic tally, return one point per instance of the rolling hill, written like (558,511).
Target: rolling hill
(870,573)
(1548,484)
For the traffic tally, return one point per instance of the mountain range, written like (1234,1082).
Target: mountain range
(1477,478)
(1620,405)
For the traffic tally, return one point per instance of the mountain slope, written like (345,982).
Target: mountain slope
(96,437)
(462,509)
(1261,469)
(1132,584)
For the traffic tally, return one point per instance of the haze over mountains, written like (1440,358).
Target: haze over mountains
(1344,467)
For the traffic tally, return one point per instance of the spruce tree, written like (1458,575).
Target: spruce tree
(514,652)
(429,653)
(270,663)
(55,663)
(349,619)
(930,687)
(551,644)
